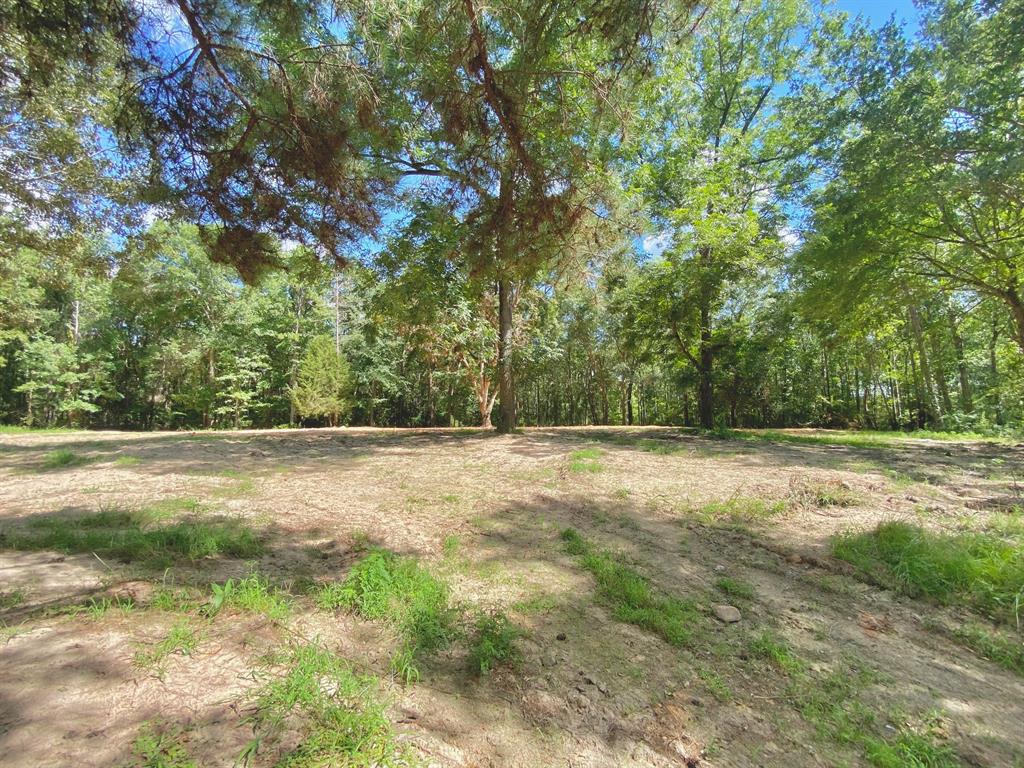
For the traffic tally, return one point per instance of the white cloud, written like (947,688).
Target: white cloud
(657,244)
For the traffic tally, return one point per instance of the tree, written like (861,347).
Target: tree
(926,179)
(714,172)
(324,384)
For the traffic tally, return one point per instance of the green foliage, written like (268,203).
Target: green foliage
(133,537)
(768,646)
(584,460)
(493,643)
(323,387)
(741,508)
(62,458)
(160,745)
(399,591)
(736,588)
(631,596)
(339,714)
(252,594)
(181,639)
(984,570)
(1006,650)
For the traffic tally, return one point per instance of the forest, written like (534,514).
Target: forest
(734,214)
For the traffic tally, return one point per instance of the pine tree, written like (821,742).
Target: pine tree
(324,384)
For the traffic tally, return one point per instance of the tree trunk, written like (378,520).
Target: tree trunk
(931,402)
(506,380)
(966,404)
(629,402)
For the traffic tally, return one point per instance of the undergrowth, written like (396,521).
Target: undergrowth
(340,715)
(135,537)
(981,569)
(630,596)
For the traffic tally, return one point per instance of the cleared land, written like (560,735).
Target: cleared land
(455,598)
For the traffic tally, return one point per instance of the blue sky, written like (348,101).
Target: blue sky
(879,11)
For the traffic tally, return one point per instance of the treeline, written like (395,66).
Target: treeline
(756,213)
(170,340)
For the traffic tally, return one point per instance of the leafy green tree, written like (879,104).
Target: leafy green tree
(714,171)
(324,385)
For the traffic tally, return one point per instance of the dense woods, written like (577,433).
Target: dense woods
(221,214)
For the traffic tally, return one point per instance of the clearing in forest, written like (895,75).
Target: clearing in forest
(556,597)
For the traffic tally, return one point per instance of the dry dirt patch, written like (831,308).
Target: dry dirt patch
(485,512)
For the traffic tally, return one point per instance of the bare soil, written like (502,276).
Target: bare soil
(590,690)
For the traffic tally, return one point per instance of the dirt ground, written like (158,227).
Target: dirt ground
(486,511)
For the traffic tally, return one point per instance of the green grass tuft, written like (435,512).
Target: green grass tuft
(736,588)
(584,460)
(160,746)
(402,593)
(767,646)
(133,537)
(62,458)
(182,639)
(252,594)
(493,643)
(340,716)
(983,570)
(740,508)
(630,596)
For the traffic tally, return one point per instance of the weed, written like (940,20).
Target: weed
(127,461)
(584,460)
(171,600)
(981,569)
(62,458)
(716,686)
(342,719)
(400,592)
(740,508)
(1006,651)
(767,646)
(621,493)
(450,545)
(252,594)
(630,596)
(736,588)
(98,608)
(493,643)
(161,746)
(11,599)
(133,537)
(182,639)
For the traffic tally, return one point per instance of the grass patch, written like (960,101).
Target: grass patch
(62,458)
(736,588)
(98,608)
(172,600)
(585,460)
(833,704)
(340,716)
(716,686)
(857,439)
(1005,650)
(630,596)
(181,639)
(252,594)
(983,570)
(11,599)
(771,648)
(740,508)
(399,591)
(127,461)
(493,643)
(159,745)
(133,537)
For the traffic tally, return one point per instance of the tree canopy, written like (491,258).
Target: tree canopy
(661,211)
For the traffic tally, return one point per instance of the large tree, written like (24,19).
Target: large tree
(714,173)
